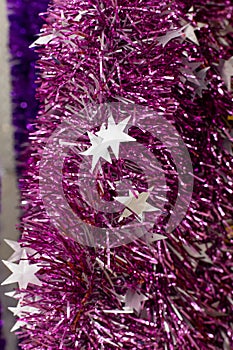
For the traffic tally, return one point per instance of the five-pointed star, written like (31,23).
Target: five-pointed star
(18,325)
(189,31)
(172,34)
(203,84)
(154,237)
(226,71)
(20,309)
(190,34)
(198,253)
(15,295)
(196,78)
(190,15)
(97,150)
(133,300)
(110,136)
(43,40)
(201,254)
(137,205)
(17,255)
(22,273)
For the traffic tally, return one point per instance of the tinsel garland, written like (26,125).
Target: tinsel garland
(25,24)
(178,289)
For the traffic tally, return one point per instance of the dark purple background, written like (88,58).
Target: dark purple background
(25,23)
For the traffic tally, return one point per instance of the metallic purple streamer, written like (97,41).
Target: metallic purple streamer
(106,49)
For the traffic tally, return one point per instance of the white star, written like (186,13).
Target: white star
(22,273)
(201,254)
(15,295)
(43,40)
(110,136)
(114,134)
(198,253)
(136,205)
(18,325)
(190,34)
(155,237)
(226,71)
(190,13)
(172,34)
(195,78)
(203,84)
(20,310)
(97,150)
(133,300)
(17,255)
(190,30)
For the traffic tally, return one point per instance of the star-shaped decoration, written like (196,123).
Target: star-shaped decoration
(190,13)
(15,295)
(134,299)
(196,78)
(202,82)
(20,310)
(190,30)
(97,150)
(226,71)
(190,34)
(18,325)
(136,205)
(154,237)
(198,253)
(108,136)
(43,39)
(23,273)
(201,254)
(17,255)
(172,34)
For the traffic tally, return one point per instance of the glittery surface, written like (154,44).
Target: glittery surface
(169,294)
(24,25)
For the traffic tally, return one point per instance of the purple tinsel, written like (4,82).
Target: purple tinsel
(25,23)
(179,290)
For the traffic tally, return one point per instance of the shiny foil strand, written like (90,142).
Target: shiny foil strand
(101,51)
